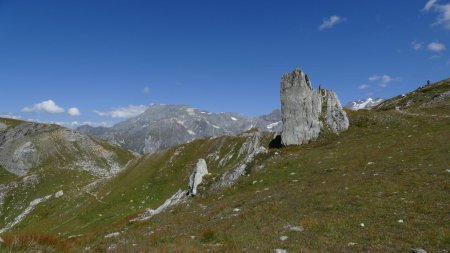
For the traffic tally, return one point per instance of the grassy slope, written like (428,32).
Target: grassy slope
(52,176)
(420,99)
(147,182)
(6,176)
(388,166)
(11,122)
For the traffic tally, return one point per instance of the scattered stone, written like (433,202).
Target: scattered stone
(306,112)
(362,225)
(294,228)
(111,235)
(197,176)
(112,247)
(351,244)
(418,250)
(281,251)
(400,221)
(236,210)
(1,240)
(292,173)
(283,238)
(370,163)
(59,194)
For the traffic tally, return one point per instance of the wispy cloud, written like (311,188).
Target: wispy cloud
(328,23)
(363,86)
(383,80)
(417,45)
(47,106)
(436,47)
(429,5)
(443,11)
(124,112)
(10,116)
(73,111)
(146,90)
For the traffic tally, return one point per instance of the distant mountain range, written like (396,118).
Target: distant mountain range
(164,126)
(364,103)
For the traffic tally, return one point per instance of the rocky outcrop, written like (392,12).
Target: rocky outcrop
(307,112)
(335,117)
(197,175)
(28,210)
(250,149)
(177,198)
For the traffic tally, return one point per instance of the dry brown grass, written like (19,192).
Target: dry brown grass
(35,242)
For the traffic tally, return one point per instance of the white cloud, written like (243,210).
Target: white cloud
(330,22)
(436,47)
(363,86)
(430,4)
(124,112)
(383,80)
(73,111)
(417,45)
(443,11)
(146,90)
(46,107)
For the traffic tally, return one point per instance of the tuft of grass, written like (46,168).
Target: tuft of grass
(34,242)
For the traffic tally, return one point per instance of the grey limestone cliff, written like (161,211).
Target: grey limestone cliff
(307,112)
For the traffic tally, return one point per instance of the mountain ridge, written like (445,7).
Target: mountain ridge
(162,126)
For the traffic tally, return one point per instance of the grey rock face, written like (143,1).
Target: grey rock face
(178,198)
(270,122)
(336,117)
(250,149)
(307,112)
(197,175)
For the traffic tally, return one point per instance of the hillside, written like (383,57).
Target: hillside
(39,163)
(381,186)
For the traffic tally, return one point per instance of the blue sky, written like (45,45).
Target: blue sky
(103,61)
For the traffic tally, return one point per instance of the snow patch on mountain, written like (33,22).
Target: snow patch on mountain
(364,103)
(271,126)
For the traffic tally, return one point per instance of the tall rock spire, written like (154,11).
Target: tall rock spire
(307,112)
